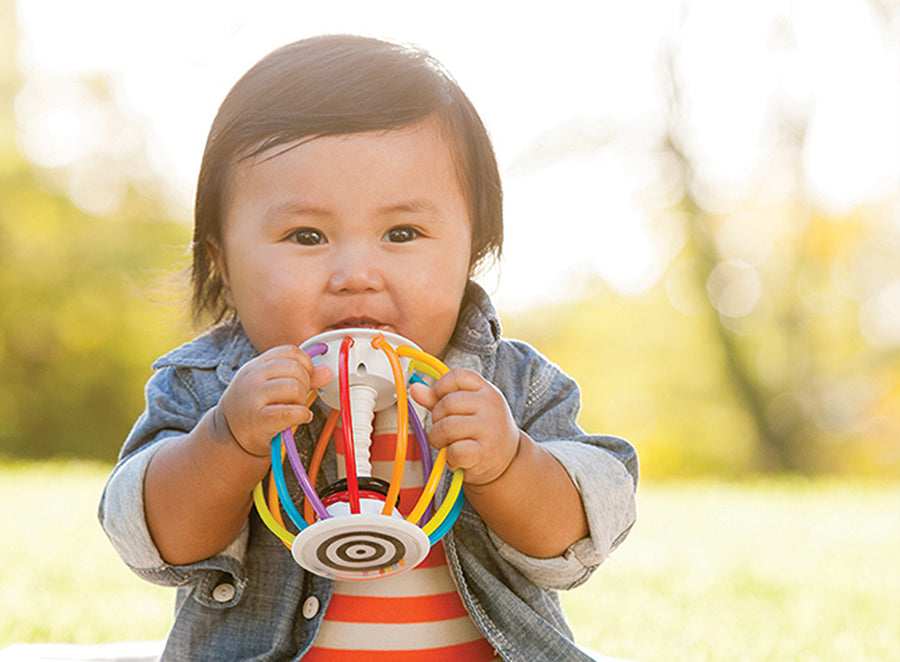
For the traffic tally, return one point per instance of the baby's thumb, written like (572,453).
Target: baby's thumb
(423,395)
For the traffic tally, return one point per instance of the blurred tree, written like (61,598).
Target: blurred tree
(772,342)
(791,335)
(80,313)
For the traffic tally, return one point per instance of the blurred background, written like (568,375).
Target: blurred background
(702,209)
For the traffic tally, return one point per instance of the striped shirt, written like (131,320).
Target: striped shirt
(416,615)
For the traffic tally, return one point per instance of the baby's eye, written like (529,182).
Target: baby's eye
(402,234)
(307,237)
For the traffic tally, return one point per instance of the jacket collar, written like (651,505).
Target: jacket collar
(224,348)
(478,328)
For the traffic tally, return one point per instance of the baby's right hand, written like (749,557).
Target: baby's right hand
(267,395)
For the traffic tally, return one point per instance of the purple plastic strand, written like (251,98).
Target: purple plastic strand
(318,348)
(424,451)
(297,465)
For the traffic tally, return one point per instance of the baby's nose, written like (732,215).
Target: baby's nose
(355,270)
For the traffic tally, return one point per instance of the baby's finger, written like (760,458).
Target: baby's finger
(458,403)
(289,352)
(287,360)
(424,395)
(452,429)
(283,390)
(278,417)
(459,379)
(285,368)
(320,377)
(464,454)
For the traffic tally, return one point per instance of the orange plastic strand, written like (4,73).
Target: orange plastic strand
(402,424)
(316,463)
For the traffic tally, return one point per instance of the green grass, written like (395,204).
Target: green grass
(61,580)
(773,571)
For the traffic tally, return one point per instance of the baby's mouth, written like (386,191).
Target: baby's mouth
(359,323)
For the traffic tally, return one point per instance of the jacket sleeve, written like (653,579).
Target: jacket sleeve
(603,468)
(173,409)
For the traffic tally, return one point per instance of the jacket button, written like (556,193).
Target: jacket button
(223,592)
(310,607)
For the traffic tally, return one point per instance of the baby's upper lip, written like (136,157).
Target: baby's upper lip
(358,323)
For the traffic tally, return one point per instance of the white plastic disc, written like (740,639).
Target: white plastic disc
(360,547)
(366,364)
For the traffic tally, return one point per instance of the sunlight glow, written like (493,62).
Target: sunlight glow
(599,66)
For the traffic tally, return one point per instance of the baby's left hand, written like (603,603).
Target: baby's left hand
(471,419)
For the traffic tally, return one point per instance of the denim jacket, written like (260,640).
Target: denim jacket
(253,602)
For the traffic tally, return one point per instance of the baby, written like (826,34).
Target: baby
(348,182)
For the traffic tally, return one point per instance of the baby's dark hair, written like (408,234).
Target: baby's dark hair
(336,85)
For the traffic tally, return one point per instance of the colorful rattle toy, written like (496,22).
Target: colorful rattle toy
(353,530)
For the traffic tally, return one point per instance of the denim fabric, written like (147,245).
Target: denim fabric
(247,603)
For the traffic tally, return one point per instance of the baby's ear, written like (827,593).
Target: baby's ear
(217,257)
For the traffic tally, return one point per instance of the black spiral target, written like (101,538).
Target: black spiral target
(360,551)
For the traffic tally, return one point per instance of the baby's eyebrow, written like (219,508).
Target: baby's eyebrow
(416,206)
(289,208)
(294,208)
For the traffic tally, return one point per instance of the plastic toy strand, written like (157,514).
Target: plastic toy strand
(309,514)
(278,474)
(302,478)
(402,424)
(424,447)
(449,501)
(440,461)
(274,501)
(429,489)
(260,501)
(426,368)
(347,424)
(458,501)
(315,463)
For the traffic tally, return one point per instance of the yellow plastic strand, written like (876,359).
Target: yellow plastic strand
(428,491)
(424,367)
(260,502)
(412,353)
(447,505)
(274,503)
(440,461)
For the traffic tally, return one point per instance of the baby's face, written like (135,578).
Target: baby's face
(362,230)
